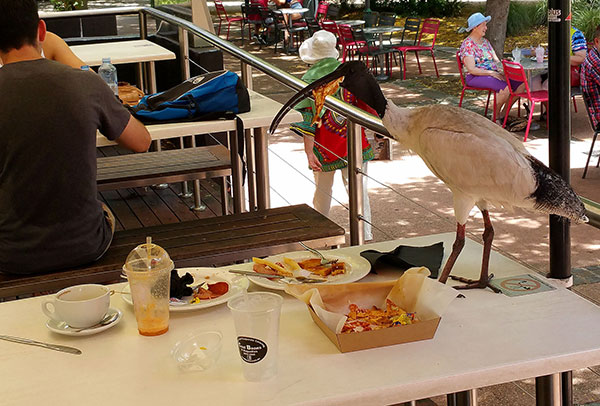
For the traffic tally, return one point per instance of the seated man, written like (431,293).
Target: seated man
(50,216)
(590,79)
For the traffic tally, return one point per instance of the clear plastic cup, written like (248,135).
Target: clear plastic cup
(539,54)
(256,319)
(148,269)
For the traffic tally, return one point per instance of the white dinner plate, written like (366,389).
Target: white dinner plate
(61,327)
(237,285)
(357,268)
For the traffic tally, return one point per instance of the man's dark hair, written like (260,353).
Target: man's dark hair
(18,23)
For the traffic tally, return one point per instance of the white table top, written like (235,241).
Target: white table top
(382,29)
(531,64)
(290,10)
(506,338)
(263,109)
(122,52)
(350,22)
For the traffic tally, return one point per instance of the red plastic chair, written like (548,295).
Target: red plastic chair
(515,71)
(430,27)
(223,17)
(347,41)
(467,87)
(322,11)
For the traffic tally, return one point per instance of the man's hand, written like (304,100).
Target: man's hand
(313,162)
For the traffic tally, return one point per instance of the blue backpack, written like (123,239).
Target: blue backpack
(204,97)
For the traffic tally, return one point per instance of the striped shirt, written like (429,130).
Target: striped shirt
(590,84)
(578,41)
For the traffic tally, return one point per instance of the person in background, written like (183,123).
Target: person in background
(289,18)
(50,215)
(325,145)
(578,53)
(56,49)
(590,79)
(483,66)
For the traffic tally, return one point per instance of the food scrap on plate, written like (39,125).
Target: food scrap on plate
(292,268)
(181,293)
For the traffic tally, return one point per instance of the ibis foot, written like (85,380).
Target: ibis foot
(475,283)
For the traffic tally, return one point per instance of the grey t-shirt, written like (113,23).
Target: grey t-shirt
(50,216)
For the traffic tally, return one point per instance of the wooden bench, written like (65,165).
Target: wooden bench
(137,170)
(207,242)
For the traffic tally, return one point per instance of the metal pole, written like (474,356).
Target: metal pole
(559,114)
(184,60)
(566,379)
(251,157)
(249,139)
(247,75)
(143,25)
(263,186)
(355,184)
(547,390)
(236,173)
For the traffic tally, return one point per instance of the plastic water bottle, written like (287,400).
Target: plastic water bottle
(108,72)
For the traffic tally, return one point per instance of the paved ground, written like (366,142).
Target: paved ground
(407,200)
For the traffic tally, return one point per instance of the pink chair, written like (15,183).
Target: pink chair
(322,11)
(430,26)
(223,17)
(467,87)
(515,71)
(347,41)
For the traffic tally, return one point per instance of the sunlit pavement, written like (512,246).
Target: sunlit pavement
(407,200)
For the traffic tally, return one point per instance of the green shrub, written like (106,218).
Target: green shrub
(586,16)
(421,8)
(523,16)
(67,5)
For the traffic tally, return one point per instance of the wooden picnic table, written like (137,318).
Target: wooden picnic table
(206,242)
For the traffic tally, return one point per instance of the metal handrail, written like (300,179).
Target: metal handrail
(354,115)
(350,112)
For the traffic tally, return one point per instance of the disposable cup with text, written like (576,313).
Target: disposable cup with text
(256,319)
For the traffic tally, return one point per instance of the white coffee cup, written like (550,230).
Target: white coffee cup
(79,306)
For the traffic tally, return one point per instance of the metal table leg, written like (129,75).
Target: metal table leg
(198,205)
(236,173)
(548,390)
(263,188)
(250,167)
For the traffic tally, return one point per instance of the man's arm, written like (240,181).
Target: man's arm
(578,57)
(56,49)
(135,136)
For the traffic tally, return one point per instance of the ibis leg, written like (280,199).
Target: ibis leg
(485,277)
(457,247)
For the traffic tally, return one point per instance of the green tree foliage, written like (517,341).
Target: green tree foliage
(586,16)
(421,8)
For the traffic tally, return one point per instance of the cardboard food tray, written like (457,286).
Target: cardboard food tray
(414,292)
(348,342)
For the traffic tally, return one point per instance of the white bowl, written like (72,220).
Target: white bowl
(198,351)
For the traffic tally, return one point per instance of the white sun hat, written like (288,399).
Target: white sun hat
(320,46)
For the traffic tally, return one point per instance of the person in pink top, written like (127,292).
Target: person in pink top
(483,66)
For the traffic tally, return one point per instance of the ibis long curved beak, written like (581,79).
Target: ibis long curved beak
(320,85)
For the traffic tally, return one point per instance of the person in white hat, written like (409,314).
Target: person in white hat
(483,66)
(325,144)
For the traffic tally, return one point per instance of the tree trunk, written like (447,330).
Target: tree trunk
(496,32)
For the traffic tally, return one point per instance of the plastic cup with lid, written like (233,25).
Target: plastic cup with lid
(148,268)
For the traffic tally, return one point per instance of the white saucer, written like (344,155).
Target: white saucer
(61,327)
